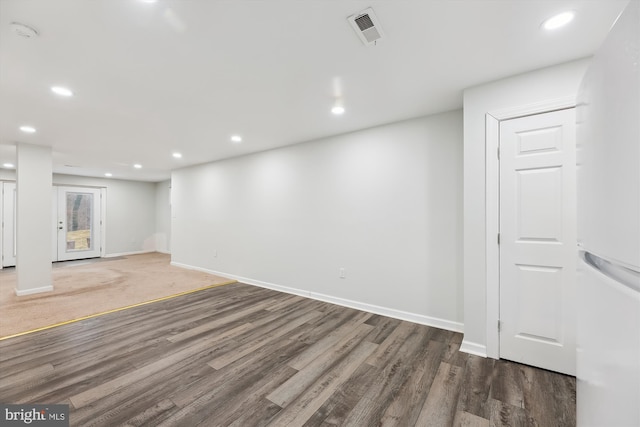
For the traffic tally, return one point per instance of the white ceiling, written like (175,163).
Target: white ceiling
(151,78)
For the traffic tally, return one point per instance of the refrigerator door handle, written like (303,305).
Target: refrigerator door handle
(623,275)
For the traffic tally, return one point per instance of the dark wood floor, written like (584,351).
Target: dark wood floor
(239,355)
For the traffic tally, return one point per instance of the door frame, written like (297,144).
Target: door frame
(492,206)
(7,222)
(56,216)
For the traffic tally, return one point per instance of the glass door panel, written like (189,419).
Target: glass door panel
(79,215)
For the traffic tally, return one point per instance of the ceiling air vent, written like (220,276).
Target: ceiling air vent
(367,26)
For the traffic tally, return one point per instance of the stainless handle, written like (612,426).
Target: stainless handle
(623,275)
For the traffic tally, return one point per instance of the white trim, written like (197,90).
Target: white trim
(492,210)
(20,293)
(96,187)
(103,219)
(384,311)
(492,249)
(129,253)
(534,108)
(473,348)
(390,312)
(163,252)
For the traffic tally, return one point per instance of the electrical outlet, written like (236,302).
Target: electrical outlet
(343,273)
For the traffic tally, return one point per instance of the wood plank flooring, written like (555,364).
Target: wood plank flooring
(243,356)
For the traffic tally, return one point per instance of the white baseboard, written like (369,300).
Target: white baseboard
(163,252)
(41,289)
(392,312)
(384,311)
(128,253)
(473,348)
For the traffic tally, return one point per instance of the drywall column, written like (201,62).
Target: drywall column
(33,219)
(163,217)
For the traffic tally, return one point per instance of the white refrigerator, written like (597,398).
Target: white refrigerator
(608,287)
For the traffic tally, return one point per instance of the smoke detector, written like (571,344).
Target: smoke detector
(367,26)
(23,30)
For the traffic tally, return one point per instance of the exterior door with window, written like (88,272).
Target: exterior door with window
(78,223)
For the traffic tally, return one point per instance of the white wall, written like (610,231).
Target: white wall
(7,174)
(384,203)
(131,215)
(537,86)
(163,216)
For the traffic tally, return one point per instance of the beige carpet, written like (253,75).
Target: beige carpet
(84,288)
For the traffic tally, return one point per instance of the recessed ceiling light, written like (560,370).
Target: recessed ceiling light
(337,110)
(177,155)
(8,165)
(559,20)
(62,91)
(27,129)
(149,1)
(236,138)
(137,166)
(108,174)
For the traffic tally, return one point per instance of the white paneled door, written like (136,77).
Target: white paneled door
(77,223)
(538,240)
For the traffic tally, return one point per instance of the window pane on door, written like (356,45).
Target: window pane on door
(79,220)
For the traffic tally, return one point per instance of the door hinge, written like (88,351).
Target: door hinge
(499,326)
(498,238)
(498,150)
